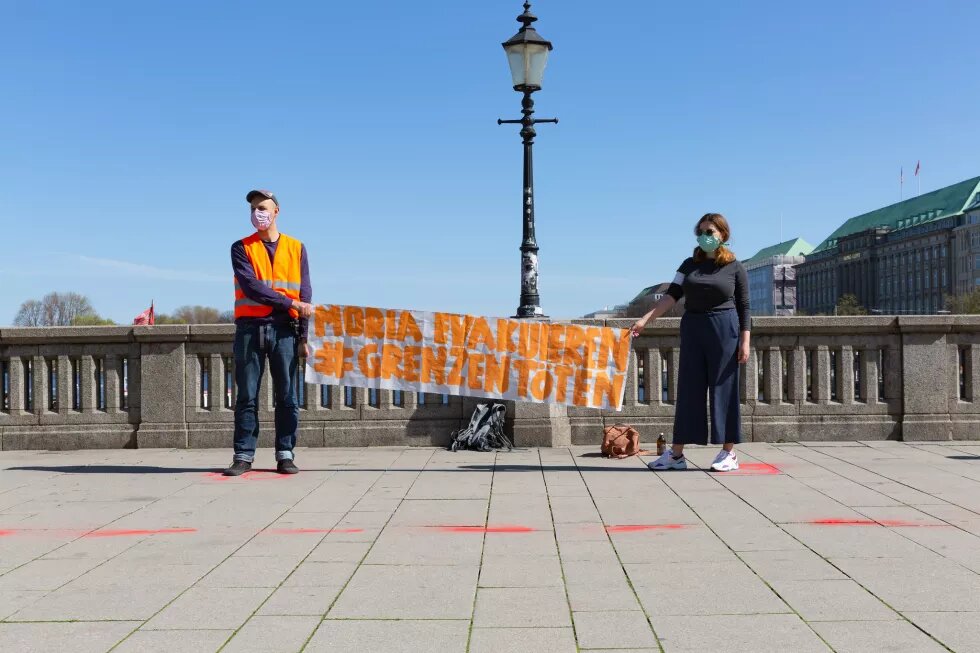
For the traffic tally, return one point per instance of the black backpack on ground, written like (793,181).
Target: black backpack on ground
(485,432)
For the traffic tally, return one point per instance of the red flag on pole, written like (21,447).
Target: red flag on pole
(145,318)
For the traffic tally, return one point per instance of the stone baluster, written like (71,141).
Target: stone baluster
(216,383)
(89,384)
(972,372)
(821,375)
(869,375)
(845,375)
(653,381)
(773,375)
(17,386)
(39,374)
(631,395)
(796,378)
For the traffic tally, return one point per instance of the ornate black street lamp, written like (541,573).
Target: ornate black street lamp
(527,54)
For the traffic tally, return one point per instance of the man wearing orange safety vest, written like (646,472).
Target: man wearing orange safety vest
(272,306)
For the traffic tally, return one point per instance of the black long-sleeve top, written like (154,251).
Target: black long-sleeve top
(259,292)
(708,287)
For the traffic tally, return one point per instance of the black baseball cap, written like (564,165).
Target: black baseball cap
(267,194)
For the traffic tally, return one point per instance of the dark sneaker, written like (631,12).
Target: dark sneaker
(287,467)
(238,468)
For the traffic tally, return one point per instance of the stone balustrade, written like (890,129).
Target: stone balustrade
(808,378)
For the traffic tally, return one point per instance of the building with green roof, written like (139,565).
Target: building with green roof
(966,251)
(895,260)
(772,277)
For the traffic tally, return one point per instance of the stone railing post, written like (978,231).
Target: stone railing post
(162,386)
(541,425)
(925,378)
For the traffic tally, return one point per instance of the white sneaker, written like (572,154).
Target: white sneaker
(667,461)
(725,461)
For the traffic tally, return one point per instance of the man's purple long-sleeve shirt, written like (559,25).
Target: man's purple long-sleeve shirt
(259,292)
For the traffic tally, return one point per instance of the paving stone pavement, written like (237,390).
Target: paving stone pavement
(826,546)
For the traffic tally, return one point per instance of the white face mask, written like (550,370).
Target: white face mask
(261,220)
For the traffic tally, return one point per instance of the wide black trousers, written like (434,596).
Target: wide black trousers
(708,368)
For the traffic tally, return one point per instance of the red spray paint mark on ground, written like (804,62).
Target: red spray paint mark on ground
(634,528)
(305,531)
(3,533)
(870,522)
(483,529)
(136,532)
(257,475)
(753,469)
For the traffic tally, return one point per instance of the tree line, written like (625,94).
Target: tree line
(74,309)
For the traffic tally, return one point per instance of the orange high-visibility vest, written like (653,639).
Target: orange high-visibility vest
(284,276)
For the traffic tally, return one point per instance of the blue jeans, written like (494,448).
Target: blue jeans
(252,345)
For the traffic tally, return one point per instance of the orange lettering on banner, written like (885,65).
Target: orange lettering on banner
(410,364)
(391,358)
(456,371)
(574,339)
(441,333)
(497,376)
(619,347)
(524,368)
(460,326)
(407,326)
(475,369)
(330,359)
(434,365)
(542,385)
(481,333)
(369,367)
(529,339)
(592,335)
(582,378)
(328,315)
(556,342)
(391,324)
(353,321)
(505,334)
(562,374)
(374,323)
(604,386)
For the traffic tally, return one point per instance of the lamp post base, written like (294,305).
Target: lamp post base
(530,311)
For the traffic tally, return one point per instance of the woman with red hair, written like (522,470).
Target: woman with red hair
(714,342)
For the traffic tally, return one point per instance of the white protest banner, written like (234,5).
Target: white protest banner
(446,353)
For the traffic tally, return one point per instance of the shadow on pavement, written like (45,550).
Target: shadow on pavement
(152,469)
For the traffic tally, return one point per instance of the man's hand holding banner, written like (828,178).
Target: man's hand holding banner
(446,353)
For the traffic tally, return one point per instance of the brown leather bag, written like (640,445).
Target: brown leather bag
(621,441)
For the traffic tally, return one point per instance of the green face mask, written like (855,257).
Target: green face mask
(708,243)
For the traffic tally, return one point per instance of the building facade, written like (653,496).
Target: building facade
(772,277)
(966,251)
(646,298)
(895,260)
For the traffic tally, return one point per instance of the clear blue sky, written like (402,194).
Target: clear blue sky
(130,132)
